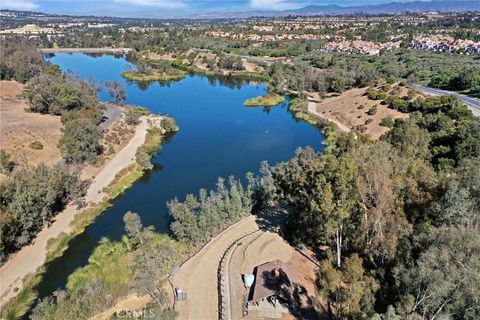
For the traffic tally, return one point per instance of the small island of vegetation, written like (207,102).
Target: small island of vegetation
(268,100)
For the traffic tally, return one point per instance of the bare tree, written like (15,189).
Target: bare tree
(116,90)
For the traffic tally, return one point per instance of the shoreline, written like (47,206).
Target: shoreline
(53,240)
(86,50)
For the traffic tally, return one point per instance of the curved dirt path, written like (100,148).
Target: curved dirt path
(198,276)
(31,257)
(312,108)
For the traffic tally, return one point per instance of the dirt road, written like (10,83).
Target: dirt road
(198,276)
(31,257)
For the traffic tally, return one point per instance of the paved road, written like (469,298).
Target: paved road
(472,103)
(31,257)
(110,115)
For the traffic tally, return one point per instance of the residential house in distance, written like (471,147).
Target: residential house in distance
(444,43)
(360,47)
(29,29)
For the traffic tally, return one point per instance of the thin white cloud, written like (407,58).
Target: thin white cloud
(166,4)
(274,4)
(18,4)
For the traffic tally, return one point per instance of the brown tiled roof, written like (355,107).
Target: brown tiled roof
(274,278)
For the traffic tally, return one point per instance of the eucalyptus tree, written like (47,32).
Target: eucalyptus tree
(322,190)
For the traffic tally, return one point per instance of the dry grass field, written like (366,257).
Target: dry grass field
(18,128)
(351,109)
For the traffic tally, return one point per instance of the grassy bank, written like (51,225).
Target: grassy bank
(298,107)
(124,179)
(268,100)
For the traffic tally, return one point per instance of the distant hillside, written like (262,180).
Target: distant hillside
(385,8)
(16,18)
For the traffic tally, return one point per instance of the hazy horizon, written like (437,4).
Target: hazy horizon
(166,8)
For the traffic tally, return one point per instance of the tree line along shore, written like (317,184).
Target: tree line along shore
(34,194)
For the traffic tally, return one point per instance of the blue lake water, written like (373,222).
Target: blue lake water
(218,137)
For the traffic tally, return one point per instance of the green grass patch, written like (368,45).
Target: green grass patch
(268,100)
(296,104)
(298,107)
(300,115)
(21,303)
(111,262)
(114,265)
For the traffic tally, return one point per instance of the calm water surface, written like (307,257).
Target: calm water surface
(218,137)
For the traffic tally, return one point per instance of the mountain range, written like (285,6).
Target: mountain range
(385,8)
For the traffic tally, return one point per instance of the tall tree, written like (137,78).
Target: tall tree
(444,280)
(80,141)
(348,289)
(322,190)
(384,222)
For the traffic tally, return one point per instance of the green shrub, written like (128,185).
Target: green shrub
(387,87)
(391,80)
(297,104)
(397,103)
(57,94)
(373,110)
(80,141)
(143,159)
(134,113)
(169,124)
(92,113)
(375,94)
(36,145)
(6,164)
(388,122)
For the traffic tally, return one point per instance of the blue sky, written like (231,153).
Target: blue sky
(159,8)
